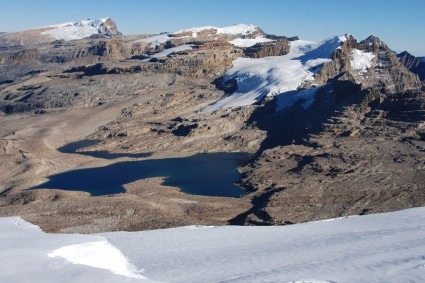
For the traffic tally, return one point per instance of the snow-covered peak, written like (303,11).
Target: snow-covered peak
(82,23)
(242,29)
(81,29)
(238,29)
(344,37)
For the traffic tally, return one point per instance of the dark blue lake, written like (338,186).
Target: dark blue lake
(209,174)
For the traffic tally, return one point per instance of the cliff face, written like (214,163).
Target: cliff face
(16,57)
(274,48)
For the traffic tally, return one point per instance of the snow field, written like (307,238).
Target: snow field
(386,247)
(248,42)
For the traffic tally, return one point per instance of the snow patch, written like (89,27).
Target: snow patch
(275,75)
(76,30)
(155,40)
(361,61)
(99,255)
(168,51)
(248,42)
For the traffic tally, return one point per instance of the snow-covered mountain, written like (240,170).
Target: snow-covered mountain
(240,32)
(374,248)
(280,75)
(238,29)
(81,29)
(34,38)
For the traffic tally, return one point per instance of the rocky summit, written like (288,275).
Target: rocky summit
(332,128)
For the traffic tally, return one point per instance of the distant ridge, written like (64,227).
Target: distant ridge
(414,64)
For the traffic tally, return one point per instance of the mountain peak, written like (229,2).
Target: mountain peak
(374,41)
(104,27)
(414,64)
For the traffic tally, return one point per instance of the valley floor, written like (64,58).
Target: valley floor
(28,150)
(386,247)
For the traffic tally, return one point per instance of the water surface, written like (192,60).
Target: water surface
(209,174)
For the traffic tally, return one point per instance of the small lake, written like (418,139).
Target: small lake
(209,174)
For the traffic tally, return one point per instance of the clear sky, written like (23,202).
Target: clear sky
(400,24)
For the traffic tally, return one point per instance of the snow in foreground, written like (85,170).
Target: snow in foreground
(374,248)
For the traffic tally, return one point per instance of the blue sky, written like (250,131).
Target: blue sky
(398,23)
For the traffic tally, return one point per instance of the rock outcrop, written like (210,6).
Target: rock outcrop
(109,28)
(265,49)
(21,56)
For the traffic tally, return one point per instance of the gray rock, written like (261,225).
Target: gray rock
(414,64)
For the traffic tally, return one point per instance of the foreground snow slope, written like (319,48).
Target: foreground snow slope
(374,248)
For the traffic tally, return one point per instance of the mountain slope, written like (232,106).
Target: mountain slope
(344,154)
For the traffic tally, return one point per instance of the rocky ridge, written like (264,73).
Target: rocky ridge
(415,65)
